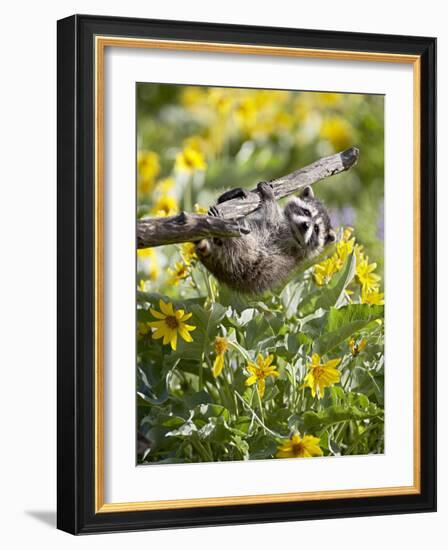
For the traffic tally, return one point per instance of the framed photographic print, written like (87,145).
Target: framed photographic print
(246,274)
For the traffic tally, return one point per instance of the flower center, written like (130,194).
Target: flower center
(171,322)
(221,345)
(318,372)
(297,449)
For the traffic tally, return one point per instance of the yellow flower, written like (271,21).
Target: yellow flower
(142,330)
(145,186)
(321,375)
(181,271)
(366,277)
(142,285)
(324,271)
(220,100)
(188,252)
(200,209)
(171,323)
(337,131)
(197,143)
(359,253)
(246,113)
(165,185)
(190,160)
(148,166)
(372,297)
(357,347)
(192,95)
(344,248)
(151,267)
(166,205)
(328,98)
(146,252)
(221,345)
(261,370)
(300,447)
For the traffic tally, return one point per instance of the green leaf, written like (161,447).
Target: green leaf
(262,447)
(290,297)
(345,321)
(315,421)
(331,294)
(186,430)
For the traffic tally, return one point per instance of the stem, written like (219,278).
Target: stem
(200,374)
(254,415)
(240,350)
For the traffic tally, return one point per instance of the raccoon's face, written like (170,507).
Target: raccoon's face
(309,221)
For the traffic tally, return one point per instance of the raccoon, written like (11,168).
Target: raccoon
(278,242)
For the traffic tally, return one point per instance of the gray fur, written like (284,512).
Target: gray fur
(279,240)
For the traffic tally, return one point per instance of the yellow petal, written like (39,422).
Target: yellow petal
(218,365)
(185,334)
(253,369)
(161,325)
(251,380)
(332,363)
(157,314)
(261,387)
(315,359)
(173,340)
(186,316)
(167,309)
(272,372)
(269,360)
(188,327)
(178,314)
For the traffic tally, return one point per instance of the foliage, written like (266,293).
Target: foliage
(296,373)
(274,354)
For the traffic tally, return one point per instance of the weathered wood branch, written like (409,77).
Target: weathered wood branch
(185,227)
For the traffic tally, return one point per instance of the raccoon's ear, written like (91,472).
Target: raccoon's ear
(331,237)
(307,193)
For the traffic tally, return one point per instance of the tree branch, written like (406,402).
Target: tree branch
(192,227)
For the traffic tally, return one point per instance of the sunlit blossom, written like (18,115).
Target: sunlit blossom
(261,370)
(324,271)
(366,276)
(190,160)
(166,205)
(321,375)
(356,347)
(180,271)
(221,345)
(372,297)
(170,323)
(300,447)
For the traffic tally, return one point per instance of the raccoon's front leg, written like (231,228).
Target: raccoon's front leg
(269,208)
(237,193)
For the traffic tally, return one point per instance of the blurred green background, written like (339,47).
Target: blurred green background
(195,142)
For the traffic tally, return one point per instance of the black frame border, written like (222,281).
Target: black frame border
(76,266)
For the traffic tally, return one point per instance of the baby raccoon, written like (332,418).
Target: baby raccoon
(278,242)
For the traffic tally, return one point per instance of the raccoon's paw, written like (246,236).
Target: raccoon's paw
(237,193)
(266,190)
(213,211)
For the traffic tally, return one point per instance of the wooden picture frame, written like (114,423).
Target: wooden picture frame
(82,41)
